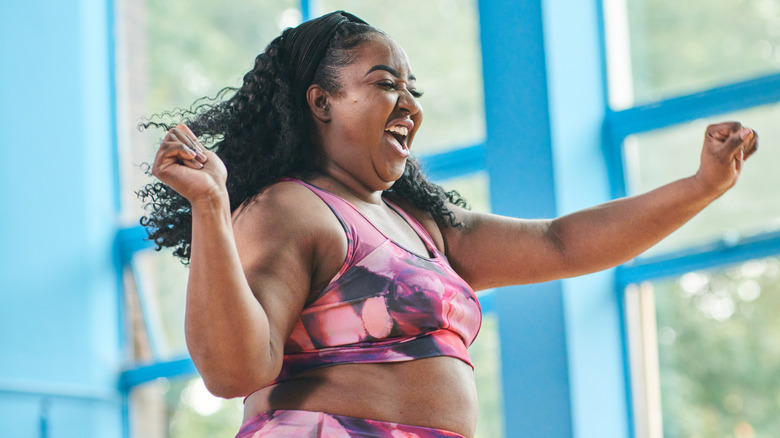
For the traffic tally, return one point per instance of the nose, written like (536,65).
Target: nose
(408,103)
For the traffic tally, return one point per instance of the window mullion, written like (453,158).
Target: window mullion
(722,253)
(720,100)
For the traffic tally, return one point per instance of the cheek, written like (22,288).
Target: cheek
(380,106)
(366,111)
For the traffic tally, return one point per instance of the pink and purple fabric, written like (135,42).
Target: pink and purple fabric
(305,424)
(386,304)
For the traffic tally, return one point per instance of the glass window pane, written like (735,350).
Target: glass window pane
(717,352)
(148,413)
(182,408)
(485,352)
(155,288)
(172,52)
(669,48)
(751,207)
(441,38)
(475,189)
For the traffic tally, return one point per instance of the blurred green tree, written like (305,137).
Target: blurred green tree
(718,352)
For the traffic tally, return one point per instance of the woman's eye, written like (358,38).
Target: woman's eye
(392,86)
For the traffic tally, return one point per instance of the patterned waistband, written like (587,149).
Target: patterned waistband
(307,424)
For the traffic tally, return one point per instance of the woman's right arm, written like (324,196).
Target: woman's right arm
(242,298)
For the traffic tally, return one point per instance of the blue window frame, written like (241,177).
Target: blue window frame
(666,113)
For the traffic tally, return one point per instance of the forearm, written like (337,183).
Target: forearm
(613,233)
(226,328)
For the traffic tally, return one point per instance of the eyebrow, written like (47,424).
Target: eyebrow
(390,70)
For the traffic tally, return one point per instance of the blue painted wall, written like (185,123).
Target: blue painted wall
(59,329)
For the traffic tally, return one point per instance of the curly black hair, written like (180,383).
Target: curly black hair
(262,132)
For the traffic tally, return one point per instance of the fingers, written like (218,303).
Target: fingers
(743,143)
(186,129)
(752,144)
(193,162)
(722,131)
(179,146)
(740,160)
(183,134)
(174,151)
(736,138)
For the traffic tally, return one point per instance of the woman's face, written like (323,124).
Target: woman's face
(373,117)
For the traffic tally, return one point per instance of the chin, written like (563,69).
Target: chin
(392,176)
(386,184)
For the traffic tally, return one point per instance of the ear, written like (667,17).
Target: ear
(318,100)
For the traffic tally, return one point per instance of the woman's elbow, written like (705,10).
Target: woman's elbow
(224,389)
(232,386)
(231,383)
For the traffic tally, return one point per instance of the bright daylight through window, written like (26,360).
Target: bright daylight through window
(703,352)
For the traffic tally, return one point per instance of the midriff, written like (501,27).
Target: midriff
(437,392)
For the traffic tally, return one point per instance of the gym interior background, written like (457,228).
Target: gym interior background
(534,108)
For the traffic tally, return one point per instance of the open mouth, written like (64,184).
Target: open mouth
(399,133)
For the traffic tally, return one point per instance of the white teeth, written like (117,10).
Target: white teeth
(398,129)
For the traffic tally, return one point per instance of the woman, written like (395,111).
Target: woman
(330,283)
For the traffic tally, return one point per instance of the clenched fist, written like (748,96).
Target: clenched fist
(726,147)
(186,166)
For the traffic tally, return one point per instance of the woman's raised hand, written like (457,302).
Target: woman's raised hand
(186,166)
(726,147)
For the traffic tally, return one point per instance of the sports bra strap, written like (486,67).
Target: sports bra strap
(346,212)
(418,228)
(327,198)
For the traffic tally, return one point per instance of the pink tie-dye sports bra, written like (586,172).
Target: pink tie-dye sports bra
(386,304)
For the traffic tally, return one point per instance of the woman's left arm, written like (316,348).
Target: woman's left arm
(491,251)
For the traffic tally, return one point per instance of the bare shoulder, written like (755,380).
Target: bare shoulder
(286,208)
(439,233)
(287,220)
